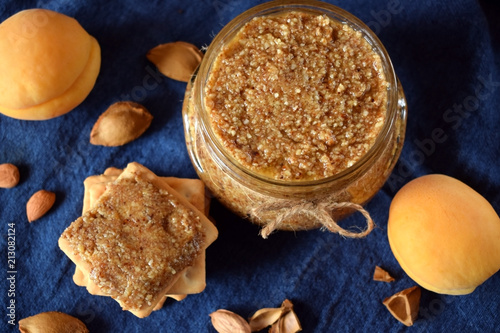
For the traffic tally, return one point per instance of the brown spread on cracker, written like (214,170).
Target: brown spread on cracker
(137,239)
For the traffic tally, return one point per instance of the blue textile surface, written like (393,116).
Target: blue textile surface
(447,56)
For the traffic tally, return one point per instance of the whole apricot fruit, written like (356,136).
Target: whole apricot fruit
(445,235)
(49,64)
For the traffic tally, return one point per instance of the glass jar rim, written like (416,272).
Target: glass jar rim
(313,6)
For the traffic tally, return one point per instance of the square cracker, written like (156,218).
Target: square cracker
(119,242)
(192,279)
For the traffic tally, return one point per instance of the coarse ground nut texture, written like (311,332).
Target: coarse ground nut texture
(136,240)
(297,96)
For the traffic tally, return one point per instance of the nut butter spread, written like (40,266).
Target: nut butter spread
(135,240)
(296,96)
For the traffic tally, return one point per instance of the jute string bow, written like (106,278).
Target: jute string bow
(320,211)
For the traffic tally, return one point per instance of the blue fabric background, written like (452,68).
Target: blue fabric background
(447,57)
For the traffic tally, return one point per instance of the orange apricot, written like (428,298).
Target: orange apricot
(49,64)
(445,235)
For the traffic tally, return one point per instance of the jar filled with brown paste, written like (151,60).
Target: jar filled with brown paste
(295,117)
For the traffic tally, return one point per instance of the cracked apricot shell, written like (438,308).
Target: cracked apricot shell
(445,235)
(49,64)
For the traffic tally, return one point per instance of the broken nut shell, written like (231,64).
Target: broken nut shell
(264,317)
(288,323)
(121,123)
(382,275)
(404,305)
(176,60)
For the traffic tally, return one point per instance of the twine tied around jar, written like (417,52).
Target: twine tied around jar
(321,211)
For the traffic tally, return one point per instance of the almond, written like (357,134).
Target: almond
(176,60)
(225,321)
(39,204)
(121,123)
(9,175)
(52,321)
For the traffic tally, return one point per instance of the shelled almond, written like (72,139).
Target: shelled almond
(9,175)
(39,204)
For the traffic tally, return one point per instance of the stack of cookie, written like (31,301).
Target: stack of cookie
(141,238)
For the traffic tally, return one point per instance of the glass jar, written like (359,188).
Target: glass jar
(292,205)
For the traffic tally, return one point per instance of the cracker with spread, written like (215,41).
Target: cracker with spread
(137,242)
